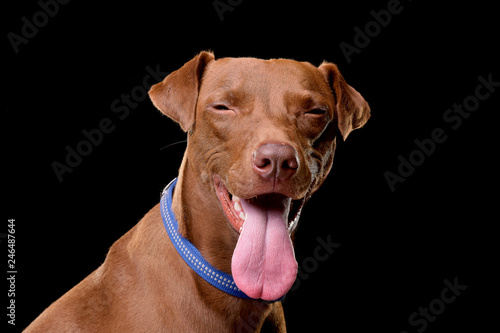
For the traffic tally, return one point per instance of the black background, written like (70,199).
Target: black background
(396,248)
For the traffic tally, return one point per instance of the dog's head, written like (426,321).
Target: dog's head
(262,135)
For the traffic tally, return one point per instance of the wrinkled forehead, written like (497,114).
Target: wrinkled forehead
(262,77)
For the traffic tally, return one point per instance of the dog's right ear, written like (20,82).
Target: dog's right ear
(352,110)
(177,94)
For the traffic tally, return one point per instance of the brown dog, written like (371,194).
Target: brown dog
(261,140)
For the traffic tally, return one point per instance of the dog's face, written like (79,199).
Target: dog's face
(247,103)
(262,135)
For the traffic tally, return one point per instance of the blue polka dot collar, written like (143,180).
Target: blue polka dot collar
(190,253)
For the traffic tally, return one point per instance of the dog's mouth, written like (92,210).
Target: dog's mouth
(263,263)
(232,206)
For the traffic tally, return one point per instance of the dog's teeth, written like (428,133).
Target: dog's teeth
(242,215)
(237,206)
(235,198)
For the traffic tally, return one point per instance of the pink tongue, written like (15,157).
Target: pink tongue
(263,264)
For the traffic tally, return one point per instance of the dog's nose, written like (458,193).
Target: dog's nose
(275,161)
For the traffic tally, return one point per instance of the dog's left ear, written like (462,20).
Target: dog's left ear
(177,94)
(352,109)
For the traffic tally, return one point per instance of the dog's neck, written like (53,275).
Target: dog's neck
(201,219)
(203,223)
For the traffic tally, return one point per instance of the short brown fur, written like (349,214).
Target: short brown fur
(144,285)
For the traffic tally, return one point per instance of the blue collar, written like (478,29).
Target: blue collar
(190,253)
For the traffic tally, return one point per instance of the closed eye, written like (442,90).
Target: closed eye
(220,107)
(316,111)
